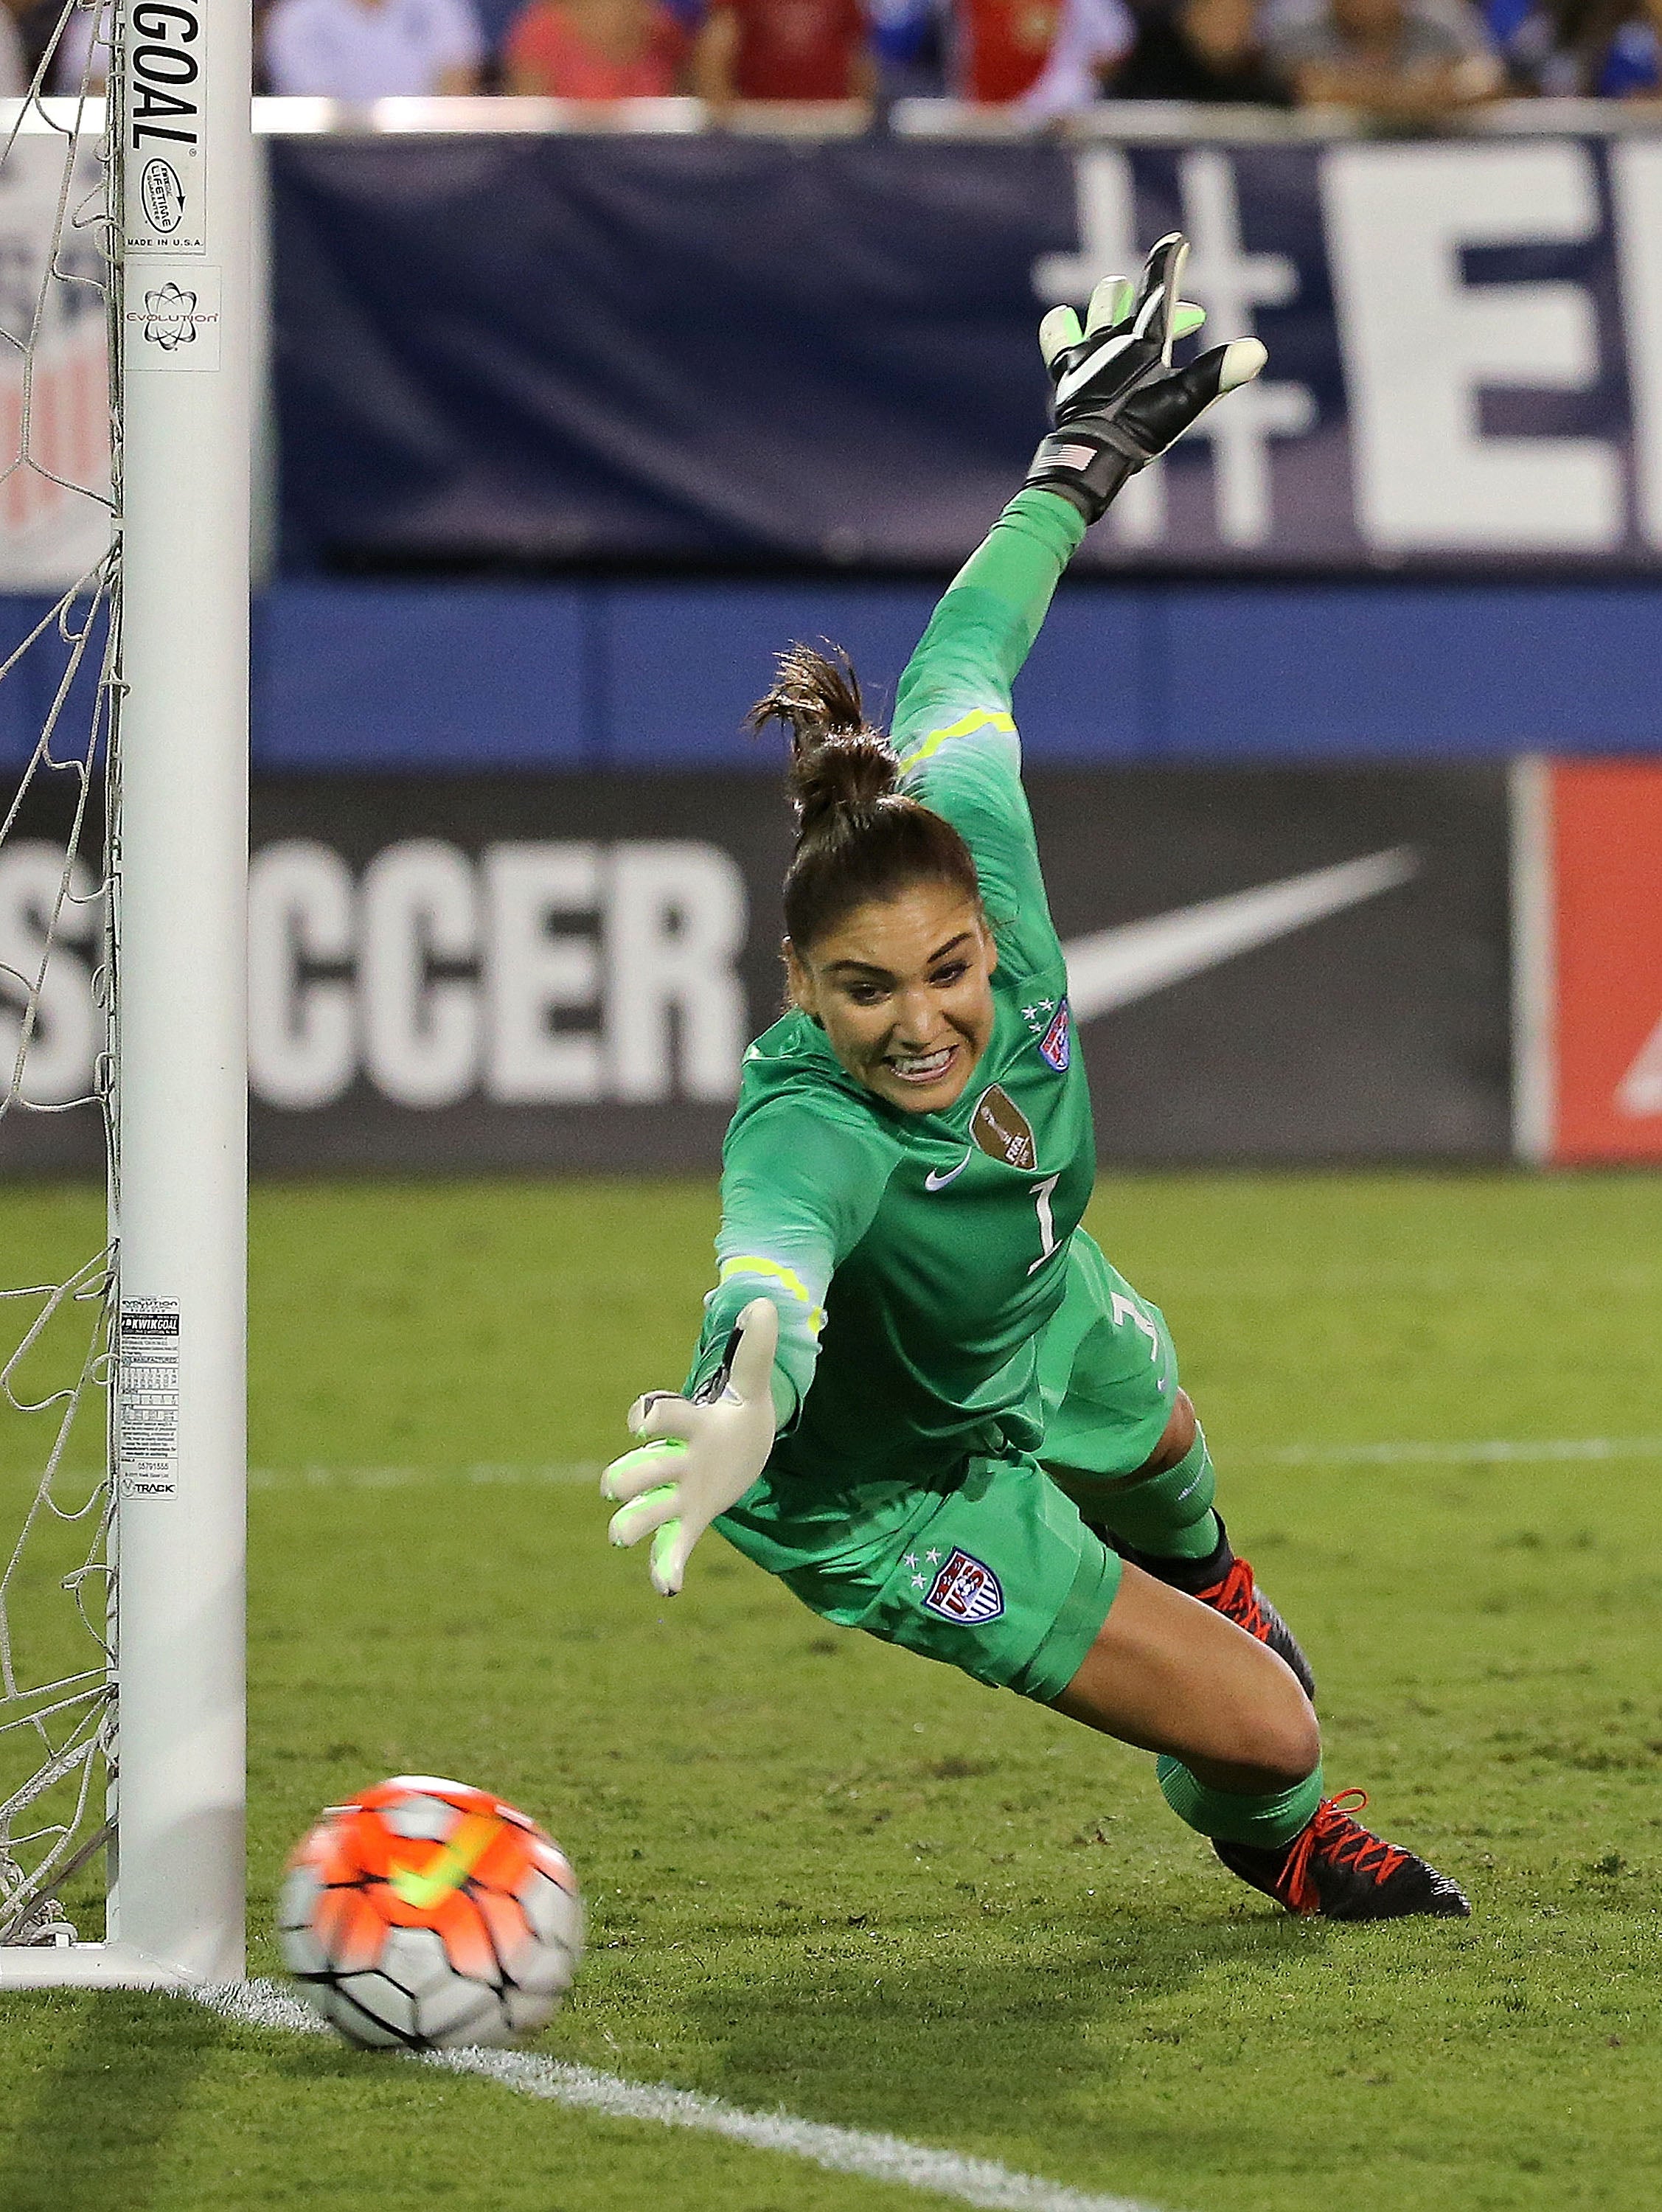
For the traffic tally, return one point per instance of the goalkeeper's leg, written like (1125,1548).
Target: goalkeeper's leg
(1165,1506)
(1122,1440)
(997,1575)
(1240,1757)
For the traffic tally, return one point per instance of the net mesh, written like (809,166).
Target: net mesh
(59,627)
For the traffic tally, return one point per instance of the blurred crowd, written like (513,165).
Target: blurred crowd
(1401,61)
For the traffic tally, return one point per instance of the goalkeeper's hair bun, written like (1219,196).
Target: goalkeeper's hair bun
(859,837)
(838,762)
(842,772)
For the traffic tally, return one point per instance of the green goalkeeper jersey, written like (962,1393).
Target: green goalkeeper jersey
(916,1258)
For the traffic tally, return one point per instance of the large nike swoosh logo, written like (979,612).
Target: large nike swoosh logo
(935,1181)
(1115,967)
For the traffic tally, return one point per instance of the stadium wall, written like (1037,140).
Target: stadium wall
(559,971)
(516,869)
(410,678)
(516,874)
(638,676)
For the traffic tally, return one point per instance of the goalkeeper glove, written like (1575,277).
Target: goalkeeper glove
(1118,401)
(705,1451)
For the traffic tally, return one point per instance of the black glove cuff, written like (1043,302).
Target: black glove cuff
(1084,471)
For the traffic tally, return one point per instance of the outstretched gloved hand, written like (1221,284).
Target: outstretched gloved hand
(703,1452)
(1118,401)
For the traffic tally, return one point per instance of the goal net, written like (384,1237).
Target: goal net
(125,435)
(60,579)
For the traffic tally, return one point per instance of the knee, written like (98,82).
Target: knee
(1289,1744)
(1176,1442)
(1278,1739)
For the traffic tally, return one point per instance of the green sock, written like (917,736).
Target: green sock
(1270,1821)
(1170,1515)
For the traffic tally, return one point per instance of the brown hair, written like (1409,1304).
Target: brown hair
(858,835)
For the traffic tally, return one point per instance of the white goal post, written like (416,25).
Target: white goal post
(182,178)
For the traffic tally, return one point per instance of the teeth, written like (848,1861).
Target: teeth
(929,1064)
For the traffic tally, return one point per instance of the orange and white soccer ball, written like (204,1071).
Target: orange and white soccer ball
(423,1914)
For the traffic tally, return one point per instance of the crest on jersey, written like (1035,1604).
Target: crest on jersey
(1057,1045)
(965,1589)
(1002,1131)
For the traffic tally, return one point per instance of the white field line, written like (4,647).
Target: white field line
(1479,1450)
(1391,1278)
(1510,1450)
(483,1473)
(978,2181)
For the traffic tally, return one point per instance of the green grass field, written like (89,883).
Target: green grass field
(828,1876)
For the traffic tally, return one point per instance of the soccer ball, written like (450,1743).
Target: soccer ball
(422,1914)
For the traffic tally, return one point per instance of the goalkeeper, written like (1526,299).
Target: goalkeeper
(922,1397)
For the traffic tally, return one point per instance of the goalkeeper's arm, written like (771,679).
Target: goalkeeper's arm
(799,1189)
(1118,404)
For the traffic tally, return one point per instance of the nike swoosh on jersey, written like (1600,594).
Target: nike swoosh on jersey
(1078,377)
(935,1181)
(1115,967)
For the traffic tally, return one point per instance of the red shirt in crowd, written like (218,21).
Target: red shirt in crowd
(548,53)
(1002,44)
(796,48)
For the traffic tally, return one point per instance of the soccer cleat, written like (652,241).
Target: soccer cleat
(1228,1585)
(1335,1867)
(1238,1598)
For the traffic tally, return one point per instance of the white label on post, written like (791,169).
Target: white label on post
(173,318)
(147,1427)
(167,209)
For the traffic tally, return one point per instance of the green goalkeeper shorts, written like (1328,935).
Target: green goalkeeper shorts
(998,1576)
(1108,1373)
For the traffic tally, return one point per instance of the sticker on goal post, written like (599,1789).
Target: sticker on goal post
(146,1423)
(173,318)
(167,209)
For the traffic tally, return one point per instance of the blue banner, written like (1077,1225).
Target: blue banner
(752,352)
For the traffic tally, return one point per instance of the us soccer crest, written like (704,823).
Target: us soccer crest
(1057,1045)
(965,1589)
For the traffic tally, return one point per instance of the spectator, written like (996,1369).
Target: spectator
(1203,50)
(373,49)
(999,48)
(1604,49)
(1632,64)
(1531,40)
(908,45)
(596,49)
(783,50)
(1394,61)
(1091,38)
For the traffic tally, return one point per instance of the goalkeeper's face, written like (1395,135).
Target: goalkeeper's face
(902,989)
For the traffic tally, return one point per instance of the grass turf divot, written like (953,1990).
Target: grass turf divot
(978,2181)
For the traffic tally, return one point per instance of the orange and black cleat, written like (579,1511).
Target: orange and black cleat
(1335,1868)
(1226,1584)
(1237,1597)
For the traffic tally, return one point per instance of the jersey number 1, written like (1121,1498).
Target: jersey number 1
(1047,1228)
